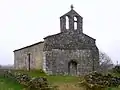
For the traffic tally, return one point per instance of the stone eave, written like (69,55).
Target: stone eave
(52,35)
(89,37)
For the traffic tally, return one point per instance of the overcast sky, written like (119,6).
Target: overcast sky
(24,22)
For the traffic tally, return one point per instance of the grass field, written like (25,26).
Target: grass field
(63,82)
(8,84)
(52,78)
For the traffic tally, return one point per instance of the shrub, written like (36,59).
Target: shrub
(89,86)
(38,83)
(97,81)
(23,79)
(116,69)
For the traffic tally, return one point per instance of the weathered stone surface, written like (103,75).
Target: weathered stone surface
(68,52)
(58,61)
(36,57)
(70,45)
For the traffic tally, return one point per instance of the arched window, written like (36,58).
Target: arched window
(67,22)
(75,23)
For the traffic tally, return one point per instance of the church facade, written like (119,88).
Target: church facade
(68,52)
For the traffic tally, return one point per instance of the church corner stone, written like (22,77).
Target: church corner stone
(68,52)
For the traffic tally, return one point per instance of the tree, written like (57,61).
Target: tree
(116,69)
(105,62)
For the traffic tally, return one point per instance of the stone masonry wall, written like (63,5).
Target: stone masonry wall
(57,61)
(61,48)
(69,40)
(36,57)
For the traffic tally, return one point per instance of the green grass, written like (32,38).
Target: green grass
(112,88)
(8,84)
(62,79)
(51,78)
(116,74)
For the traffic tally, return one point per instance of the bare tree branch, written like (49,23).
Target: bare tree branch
(105,62)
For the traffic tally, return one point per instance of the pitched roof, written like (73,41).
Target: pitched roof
(53,35)
(71,12)
(89,36)
(29,46)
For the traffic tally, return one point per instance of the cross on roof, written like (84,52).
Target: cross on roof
(72,7)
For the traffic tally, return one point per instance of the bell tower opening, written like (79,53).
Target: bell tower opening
(67,22)
(71,21)
(75,23)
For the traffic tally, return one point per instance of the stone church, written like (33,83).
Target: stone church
(68,52)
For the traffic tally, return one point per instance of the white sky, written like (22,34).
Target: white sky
(24,22)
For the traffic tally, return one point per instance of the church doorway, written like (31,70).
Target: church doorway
(72,67)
